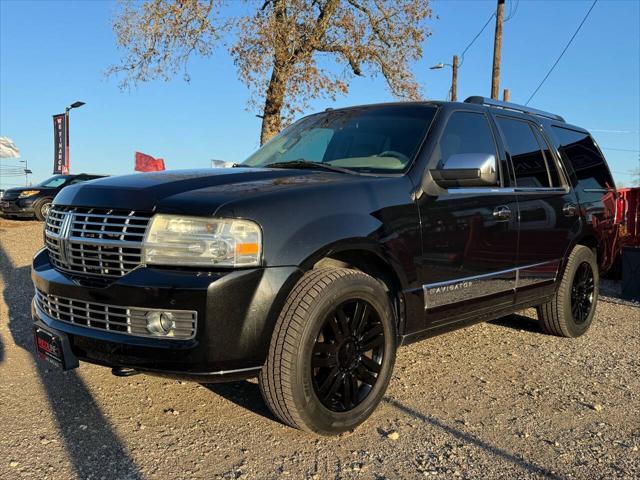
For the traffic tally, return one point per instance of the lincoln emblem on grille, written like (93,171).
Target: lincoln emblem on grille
(65,229)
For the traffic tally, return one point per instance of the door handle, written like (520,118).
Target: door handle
(570,210)
(502,213)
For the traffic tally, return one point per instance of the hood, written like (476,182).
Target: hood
(202,191)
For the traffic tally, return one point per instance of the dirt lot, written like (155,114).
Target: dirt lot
(497,400)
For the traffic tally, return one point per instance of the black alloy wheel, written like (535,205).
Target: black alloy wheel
(332,351)
(347,355)
(582,293)
(571,310)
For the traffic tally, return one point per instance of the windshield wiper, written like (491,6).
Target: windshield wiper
(308,164)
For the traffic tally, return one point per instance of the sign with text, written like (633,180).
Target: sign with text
(61,143)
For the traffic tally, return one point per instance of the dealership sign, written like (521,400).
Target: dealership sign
(61,143)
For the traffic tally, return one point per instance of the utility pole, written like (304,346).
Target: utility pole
(454,75)
(454,79)
(497,52)
(506,95)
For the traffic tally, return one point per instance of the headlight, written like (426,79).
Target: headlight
(198,241)
(28,193)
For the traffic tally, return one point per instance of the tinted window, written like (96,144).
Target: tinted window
(579,149)
(78,180)
(361,139)
(466,132)
(528,160)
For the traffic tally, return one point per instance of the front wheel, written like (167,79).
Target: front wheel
(332,352)
(571,311)
(41,208)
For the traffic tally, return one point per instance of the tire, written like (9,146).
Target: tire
(41,208)
(311,352)
(567,314)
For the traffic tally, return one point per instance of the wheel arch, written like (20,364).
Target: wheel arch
(367,259)
(588,240)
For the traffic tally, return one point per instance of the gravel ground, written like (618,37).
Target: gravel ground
(497,400)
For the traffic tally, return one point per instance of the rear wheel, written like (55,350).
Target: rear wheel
(332,352)
(41,208)
(570,313)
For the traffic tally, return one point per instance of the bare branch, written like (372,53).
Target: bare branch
(277,49)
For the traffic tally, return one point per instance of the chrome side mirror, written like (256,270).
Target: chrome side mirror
(467,170)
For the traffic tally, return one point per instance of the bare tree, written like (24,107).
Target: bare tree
(635,174)
(281,49)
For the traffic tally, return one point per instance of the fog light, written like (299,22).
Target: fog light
(160,323)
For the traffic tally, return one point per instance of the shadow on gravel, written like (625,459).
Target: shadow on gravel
(244,394)
(473,440)
(93,447)
(518,322)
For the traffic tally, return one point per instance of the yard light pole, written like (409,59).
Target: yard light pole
(77,104)
(454,75)
(26,172)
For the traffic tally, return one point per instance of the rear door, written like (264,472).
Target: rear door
(594,187)
(549,213)
(469,235)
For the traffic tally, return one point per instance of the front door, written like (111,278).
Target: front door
(469,235)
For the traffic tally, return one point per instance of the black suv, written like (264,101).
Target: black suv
(351,233)
(36,201)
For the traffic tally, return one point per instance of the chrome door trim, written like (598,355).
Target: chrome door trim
(476,286)
(507,190)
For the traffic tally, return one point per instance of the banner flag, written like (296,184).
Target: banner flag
(146,163)
(61,143)
(8,148)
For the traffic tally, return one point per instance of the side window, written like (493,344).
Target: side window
(529,163)
(466,132)
(580,151)
(78,180)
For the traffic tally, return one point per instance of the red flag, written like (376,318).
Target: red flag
(146,163)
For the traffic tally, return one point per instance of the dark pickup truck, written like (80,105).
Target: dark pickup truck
(351,233)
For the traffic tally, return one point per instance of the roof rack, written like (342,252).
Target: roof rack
(512,106)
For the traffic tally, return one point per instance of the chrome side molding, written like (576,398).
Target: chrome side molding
(476,286)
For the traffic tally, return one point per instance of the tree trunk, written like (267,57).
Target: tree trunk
(271,117)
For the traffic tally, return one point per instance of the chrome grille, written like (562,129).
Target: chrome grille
(95,241)
(115,318)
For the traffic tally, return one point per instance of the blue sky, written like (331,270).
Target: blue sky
(55,52)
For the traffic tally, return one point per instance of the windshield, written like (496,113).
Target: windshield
(54,181)
(369,139)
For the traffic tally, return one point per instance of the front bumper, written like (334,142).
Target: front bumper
(236,312)
(19,207)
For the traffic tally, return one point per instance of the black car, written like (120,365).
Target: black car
(35,201)
(351,233)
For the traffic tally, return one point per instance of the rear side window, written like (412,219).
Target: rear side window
(466,132)
(580,151)
(529,162)
(78,180)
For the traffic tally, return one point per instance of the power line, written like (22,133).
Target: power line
(512,10)
(563,51)
(601,130)
(620,149)
(474,39)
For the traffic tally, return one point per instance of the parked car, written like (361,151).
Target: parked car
(351,233)
(35,201)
